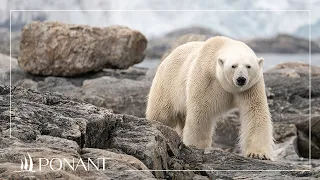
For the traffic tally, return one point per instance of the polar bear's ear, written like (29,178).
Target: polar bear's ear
(260,61)
(221,61)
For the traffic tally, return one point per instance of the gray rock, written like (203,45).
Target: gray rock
(28,84)
(135,137)
(118,166)
(47,147)
(69,50)
(59,85)
(16,73)
(5,42)
(227,132)
(40,117)
(283,131)
(121,95)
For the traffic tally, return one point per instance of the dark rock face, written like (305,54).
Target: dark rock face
(303,137)
(63,127)
(52,48)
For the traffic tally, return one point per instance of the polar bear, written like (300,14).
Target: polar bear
(200,81)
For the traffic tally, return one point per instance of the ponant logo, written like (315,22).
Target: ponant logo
(27,165)
(56,164)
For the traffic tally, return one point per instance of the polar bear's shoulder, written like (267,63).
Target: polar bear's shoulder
(184,51)
(189,46)
(196,45)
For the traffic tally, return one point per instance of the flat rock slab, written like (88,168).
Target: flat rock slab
(52,48)
(121,95)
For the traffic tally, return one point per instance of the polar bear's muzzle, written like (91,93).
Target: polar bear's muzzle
(241,81)
(241,77)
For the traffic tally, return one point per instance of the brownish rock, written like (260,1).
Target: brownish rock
(53,48)
(295,69)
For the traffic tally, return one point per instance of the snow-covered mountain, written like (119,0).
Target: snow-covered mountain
(239,24)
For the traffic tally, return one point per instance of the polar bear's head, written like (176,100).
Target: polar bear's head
(239,73)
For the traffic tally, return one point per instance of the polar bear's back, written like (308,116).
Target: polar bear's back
(175,67)
(180,58)
(169,84)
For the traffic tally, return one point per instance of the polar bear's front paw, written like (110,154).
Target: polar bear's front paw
(261,156)
(259,151)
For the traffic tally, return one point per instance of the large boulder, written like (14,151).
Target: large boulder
(53,48)
(48,125)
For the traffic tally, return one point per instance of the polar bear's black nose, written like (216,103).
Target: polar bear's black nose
(241,81)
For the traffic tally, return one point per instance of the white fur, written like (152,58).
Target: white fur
(196,84)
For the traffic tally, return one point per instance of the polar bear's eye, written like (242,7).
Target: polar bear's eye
(234,66)
(248,66)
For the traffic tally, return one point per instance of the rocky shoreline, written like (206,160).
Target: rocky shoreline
(51,125)
(124,91)
(87,115)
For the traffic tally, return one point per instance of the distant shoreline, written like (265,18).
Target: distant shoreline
(271,60)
